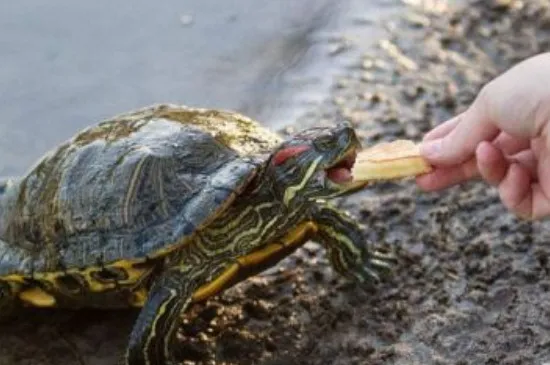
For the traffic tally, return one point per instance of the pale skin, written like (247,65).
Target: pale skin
(503,138)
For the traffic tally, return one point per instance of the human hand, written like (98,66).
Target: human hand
(502,137)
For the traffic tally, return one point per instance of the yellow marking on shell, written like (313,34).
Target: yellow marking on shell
(135,274)
(15,283)
(292,190)
(139,298)
(294,238)
(37,297)
(237,131)
(160,185)
(131,191)
(13,278)
(50,277)
(93,284)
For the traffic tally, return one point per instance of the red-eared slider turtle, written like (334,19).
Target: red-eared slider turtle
(168,205)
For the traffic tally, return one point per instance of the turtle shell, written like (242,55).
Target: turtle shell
(130,187)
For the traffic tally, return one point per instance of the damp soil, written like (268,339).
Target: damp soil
(471,285)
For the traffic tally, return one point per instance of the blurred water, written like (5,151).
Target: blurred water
(65,64)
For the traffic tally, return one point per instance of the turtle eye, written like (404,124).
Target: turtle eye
(286,153)
(324,143)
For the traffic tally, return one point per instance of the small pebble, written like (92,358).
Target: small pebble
(186,20)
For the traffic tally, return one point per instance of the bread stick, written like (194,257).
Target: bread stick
(389,161)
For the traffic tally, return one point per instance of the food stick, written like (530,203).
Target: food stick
(389,161)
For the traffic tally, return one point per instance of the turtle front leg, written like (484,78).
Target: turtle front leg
(154,333)
(346,247)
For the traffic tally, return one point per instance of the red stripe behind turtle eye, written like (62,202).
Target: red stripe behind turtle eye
(284,154)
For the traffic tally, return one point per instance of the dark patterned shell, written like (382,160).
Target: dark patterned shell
(128,187)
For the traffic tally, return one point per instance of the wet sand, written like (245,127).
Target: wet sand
(471,285)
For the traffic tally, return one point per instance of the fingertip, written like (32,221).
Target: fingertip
(460,142)
(431,149)
(442,129)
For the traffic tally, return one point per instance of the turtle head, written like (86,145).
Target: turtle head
(315,163)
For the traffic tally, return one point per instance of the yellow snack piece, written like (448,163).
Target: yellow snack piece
(388,161)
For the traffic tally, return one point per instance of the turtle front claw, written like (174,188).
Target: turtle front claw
(364,267)
(383,261)
(347,251)
(375,265)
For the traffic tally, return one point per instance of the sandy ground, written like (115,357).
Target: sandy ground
(472,283)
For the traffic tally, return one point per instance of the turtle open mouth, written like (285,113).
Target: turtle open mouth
(340,172)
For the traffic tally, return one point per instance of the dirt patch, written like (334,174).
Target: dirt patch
(472,282)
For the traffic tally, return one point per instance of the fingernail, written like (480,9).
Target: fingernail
(431,148)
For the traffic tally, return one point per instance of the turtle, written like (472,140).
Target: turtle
(167,205)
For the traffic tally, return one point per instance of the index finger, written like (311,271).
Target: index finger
(443,129)
(459,144)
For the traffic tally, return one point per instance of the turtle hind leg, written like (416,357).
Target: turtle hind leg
(154,333)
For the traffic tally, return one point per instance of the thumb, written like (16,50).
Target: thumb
(459,144)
